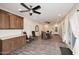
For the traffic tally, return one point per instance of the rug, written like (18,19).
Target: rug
(65,51)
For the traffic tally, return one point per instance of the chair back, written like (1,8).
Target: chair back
(33,34)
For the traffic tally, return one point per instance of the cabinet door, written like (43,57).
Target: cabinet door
(0,20)
(4,20)
(12,21)
(19,23)
(16,22)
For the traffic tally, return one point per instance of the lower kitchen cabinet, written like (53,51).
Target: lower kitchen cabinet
(9,45)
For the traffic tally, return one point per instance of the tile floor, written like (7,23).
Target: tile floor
(41,47)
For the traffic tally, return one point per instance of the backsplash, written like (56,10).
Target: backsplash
(5,33)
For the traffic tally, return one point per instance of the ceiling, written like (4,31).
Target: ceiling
(49,11)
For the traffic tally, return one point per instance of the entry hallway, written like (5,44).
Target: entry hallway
(42,47)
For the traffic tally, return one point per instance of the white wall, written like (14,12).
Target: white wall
(29,26)
(47,27)
(51,27)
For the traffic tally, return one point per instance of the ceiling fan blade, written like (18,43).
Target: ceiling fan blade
(25,6)
(37,12)
(37,7)
(24,11)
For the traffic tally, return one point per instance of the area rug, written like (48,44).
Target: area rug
(65,51)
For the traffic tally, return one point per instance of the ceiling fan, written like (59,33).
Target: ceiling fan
(47,22)
(31,9)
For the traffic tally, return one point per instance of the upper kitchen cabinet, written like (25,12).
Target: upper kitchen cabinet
(4,20)
(10,21)
(19,22)
(16,22)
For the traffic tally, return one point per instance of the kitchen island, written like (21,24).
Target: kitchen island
(11,43)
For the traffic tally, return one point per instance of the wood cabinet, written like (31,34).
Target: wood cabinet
(10,21)
(0,47)
(16,22)
(4,20)
(11,44)
(19,22)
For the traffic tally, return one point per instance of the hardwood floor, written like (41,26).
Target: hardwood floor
(42,47)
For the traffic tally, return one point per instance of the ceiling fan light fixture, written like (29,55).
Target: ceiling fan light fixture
(30,14)
(47,22)
(77,10)
(20,9)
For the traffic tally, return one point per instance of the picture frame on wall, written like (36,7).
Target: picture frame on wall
(36,28)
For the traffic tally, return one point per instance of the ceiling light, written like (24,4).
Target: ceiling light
(19,9)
